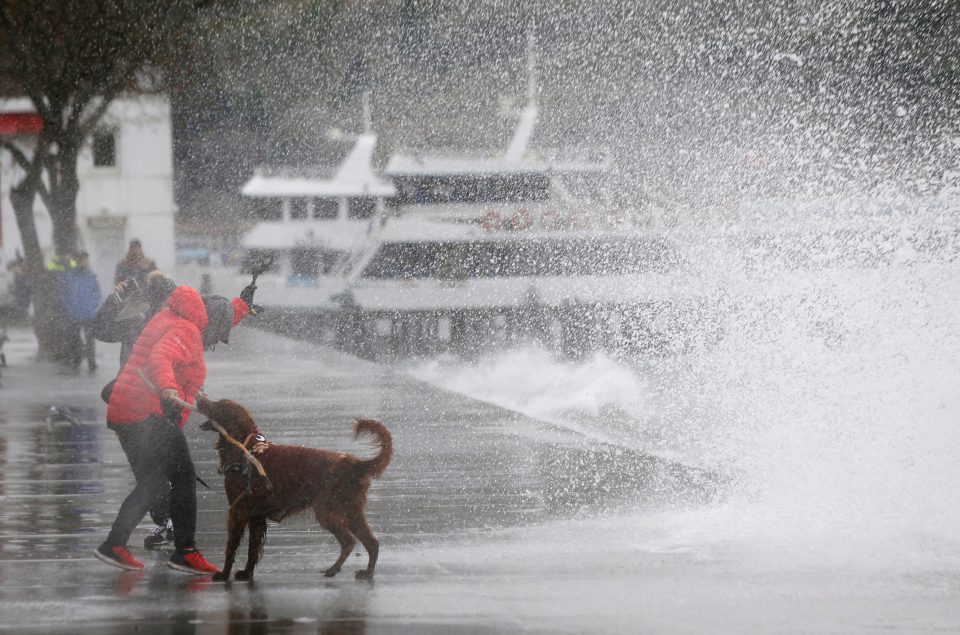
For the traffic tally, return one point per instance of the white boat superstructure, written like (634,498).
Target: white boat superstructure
(321,218)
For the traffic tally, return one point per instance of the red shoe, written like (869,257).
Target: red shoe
(191,562)
(118,557)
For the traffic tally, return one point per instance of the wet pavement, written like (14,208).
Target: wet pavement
(464,475)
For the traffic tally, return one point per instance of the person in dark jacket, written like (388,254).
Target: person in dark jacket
(134,265)
(80,298)
(127,310)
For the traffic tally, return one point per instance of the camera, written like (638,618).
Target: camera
(130,286)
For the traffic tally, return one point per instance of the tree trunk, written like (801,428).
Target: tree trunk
(45,293)
(62,202)
(64,187)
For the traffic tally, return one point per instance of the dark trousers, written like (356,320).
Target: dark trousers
(158,454)
(160,507)
(89,343)
(79,348)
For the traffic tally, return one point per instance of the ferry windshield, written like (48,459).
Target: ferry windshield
(493,188)
(542,258)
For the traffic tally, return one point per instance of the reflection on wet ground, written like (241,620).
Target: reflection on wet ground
(459,467)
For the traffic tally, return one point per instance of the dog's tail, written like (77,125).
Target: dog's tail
(374,467)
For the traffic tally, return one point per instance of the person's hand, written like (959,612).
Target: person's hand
(247,294)
(120,290)
(260,447)
(169,394)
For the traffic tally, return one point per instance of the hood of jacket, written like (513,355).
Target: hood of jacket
(186,302)
(220,314)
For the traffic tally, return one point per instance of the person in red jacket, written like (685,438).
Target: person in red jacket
(169,352)
(222,315)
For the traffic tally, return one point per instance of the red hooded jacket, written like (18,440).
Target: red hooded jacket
(170,352)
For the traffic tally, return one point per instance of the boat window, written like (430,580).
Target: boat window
(307,263)
(403,260)
(607,257)
(361,207)
(496,188)
(269,208)
(298,208)
(528,258)
(452,261)
(326,207)
(507,258)
(336,261)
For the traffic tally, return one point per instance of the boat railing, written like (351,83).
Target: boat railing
(296,172)
(599,156)
(593,155)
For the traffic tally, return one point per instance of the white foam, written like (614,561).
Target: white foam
(836,410)
(531,381)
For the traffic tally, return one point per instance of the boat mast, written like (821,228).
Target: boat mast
(531,69)
(367,117)
(528,116)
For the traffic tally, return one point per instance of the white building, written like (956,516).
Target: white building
(126,186)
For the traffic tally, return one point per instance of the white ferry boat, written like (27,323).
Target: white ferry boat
(486,248)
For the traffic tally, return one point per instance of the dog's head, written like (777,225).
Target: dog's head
(231,416)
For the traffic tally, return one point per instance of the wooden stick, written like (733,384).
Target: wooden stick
(252,459)
(177,400)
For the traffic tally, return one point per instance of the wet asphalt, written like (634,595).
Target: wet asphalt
(462,470)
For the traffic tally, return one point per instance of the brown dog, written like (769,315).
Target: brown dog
(333,484)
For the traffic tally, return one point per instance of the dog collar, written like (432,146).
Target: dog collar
(249,442)
(255,437)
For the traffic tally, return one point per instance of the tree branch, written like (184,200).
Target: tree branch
(44,193)
(107,95)
(25,71)
(16,152)
(87,125)
(32,166)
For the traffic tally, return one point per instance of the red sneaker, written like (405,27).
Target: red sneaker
(191,562)
(118,557)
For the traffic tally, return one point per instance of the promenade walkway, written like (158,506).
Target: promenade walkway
(465,474)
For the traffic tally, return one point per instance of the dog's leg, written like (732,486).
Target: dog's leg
(237,519)
(337,525)
(258,532)
(360,529)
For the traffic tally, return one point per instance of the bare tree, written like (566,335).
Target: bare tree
(72,58)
